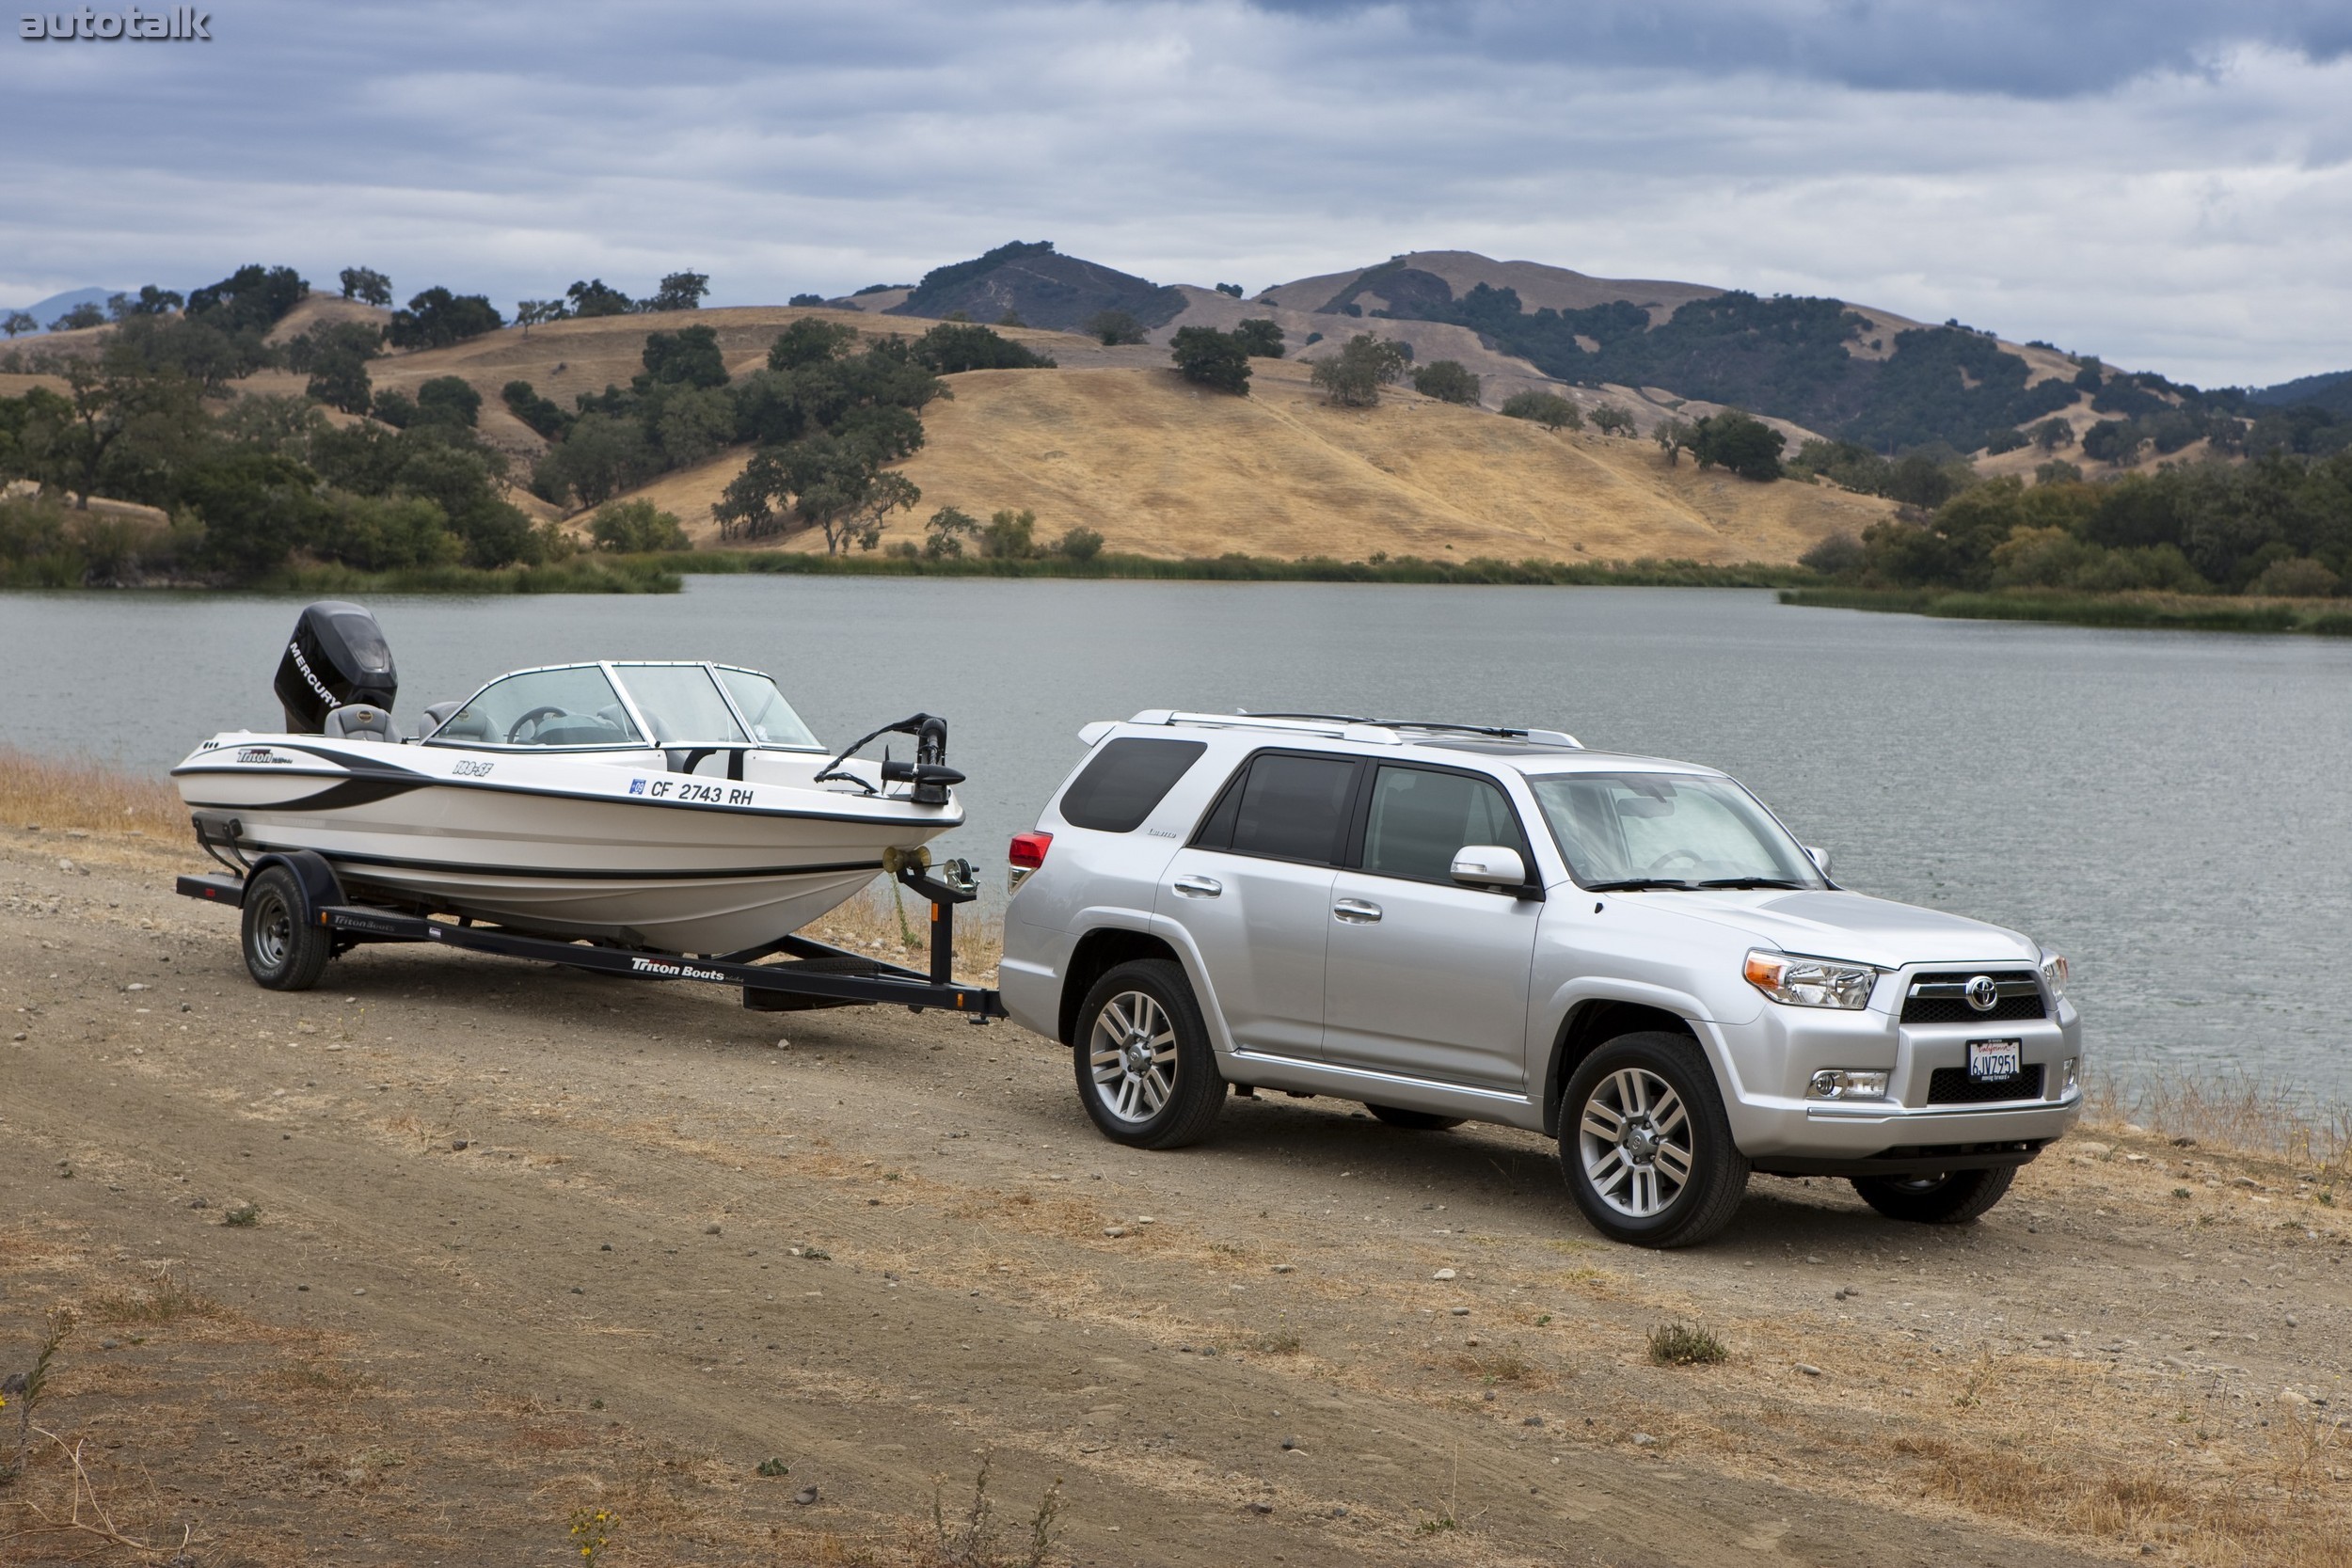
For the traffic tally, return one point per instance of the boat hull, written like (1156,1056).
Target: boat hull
(561,846)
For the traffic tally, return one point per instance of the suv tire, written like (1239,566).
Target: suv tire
(1954,1197)
(283,951)
(1414,1121)
(1644,1143)
(1145,1074)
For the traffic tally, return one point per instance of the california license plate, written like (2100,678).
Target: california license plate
(1996,1058)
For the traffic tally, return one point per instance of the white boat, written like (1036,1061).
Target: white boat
(681,807)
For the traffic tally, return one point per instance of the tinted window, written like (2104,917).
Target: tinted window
(1116,791)
(1419,819)
(1294,808)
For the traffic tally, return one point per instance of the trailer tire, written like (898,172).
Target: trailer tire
(285,947)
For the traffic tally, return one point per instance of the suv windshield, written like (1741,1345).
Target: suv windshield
(1669,829)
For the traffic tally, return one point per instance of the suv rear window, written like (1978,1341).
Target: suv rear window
(1115,792)
(1289,807)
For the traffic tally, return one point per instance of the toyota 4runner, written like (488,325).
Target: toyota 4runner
(1451,923)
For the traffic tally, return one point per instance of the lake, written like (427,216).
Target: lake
(2173,811)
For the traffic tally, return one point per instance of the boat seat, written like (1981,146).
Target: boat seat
(474,728)
(434,714)
(359,722)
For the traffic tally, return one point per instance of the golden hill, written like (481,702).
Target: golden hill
(1160,467)
(1114,441)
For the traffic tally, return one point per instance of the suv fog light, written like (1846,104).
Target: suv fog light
(2070,1077)
(1803,982)
(1838,1083)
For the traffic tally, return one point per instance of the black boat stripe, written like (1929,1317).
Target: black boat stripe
(350,792)
(374,770)
(559,874)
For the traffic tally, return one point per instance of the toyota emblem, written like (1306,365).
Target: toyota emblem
(1982,994)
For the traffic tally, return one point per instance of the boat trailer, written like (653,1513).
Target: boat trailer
(296,917)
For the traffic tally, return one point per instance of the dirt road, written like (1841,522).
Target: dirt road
(525,1241)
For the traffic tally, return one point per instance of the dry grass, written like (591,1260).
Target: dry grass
(62,796)
(166,1299)
(2232,1111)
(891,923)
(1682,1344)
(1162,469)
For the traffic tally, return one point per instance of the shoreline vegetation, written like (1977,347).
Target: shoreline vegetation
(2150,610)
(83,809)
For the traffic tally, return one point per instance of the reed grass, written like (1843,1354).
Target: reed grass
(2157,611)
(2233,1111)
(60,797)
(1237,567)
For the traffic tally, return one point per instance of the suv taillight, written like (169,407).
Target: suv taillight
(1026,854)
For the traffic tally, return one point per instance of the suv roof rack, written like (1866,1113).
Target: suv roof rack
(1492,731)
(1346,726)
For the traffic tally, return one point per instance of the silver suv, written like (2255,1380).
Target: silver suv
(1449,922)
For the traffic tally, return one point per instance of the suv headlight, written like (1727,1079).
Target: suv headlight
(2054,972)
(1803,982)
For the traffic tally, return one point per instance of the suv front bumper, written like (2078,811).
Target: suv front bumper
(1783,1131)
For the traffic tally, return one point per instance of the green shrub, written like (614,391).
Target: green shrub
(1448,381)
(1549,409)
(633,526)
(1208,357)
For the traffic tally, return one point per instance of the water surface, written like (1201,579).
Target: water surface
(2172,810)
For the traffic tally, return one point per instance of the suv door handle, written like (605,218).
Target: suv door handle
(1198,887)
(1356,911)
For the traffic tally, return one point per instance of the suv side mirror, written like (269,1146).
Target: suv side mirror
(1820,858)
(1489,865)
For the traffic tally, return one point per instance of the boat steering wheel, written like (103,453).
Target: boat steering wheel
(545,710)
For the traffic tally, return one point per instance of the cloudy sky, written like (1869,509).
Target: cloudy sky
(2162,182)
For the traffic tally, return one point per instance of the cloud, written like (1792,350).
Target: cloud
(2186,218)
(2019,48)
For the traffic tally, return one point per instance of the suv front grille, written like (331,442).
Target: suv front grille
(1944,998)
(1951,1085)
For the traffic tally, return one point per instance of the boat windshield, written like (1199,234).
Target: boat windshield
(772,718)
(682,704)
(1669,830)
(572,706)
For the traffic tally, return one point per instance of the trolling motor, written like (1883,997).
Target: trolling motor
(929,772)
(336,657)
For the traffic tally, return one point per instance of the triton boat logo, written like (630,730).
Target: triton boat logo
(184,22)
(1982,994)
(676,971)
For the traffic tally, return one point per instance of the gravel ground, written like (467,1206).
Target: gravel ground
(526,1240)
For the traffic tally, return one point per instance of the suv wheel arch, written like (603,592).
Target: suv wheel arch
(1590,1026)
(1098,953)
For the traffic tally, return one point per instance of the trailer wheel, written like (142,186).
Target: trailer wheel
(284,951)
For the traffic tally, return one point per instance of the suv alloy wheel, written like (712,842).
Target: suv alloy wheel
(1145,1071)
(1645,1146)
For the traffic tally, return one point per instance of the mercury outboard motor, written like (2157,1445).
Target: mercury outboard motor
(337,656)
